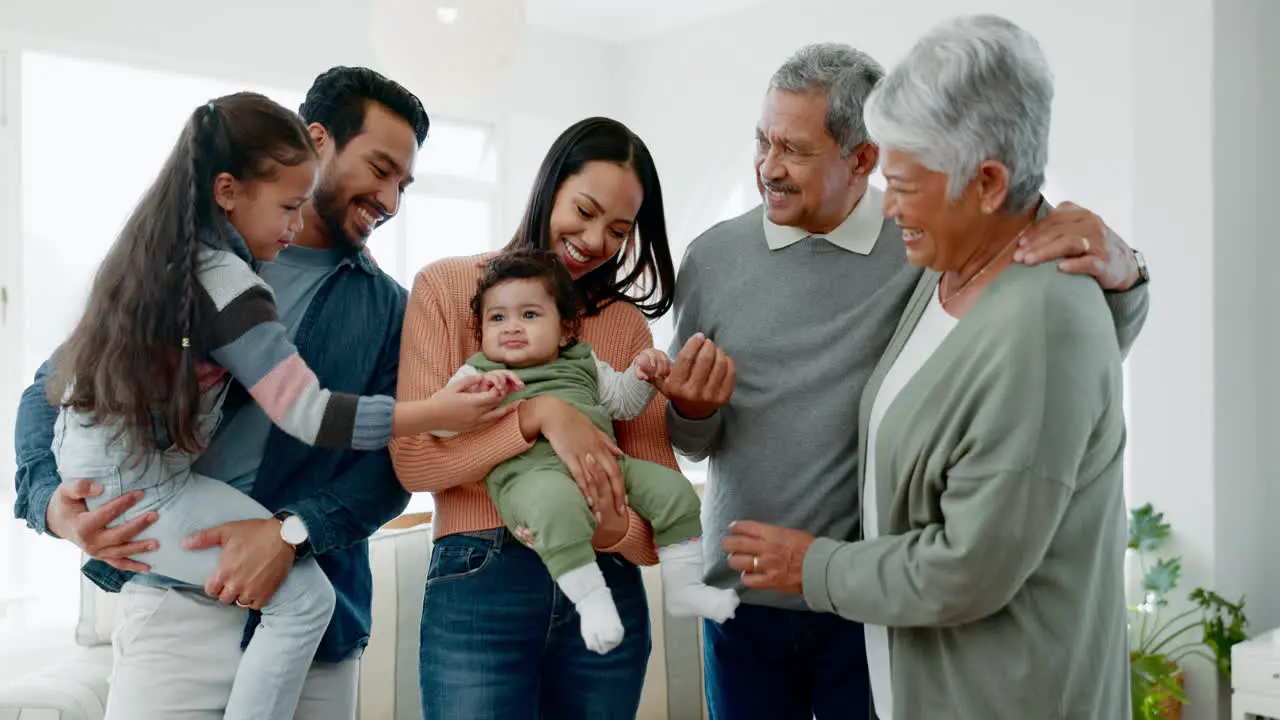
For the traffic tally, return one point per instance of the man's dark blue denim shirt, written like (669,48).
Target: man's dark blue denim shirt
(350,336)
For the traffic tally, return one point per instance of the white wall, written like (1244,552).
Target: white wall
(1246,154)
(1203,385)
(1268,259)
(1164,124)
(694,94)
(555,79)
(1172,377)
(11,325)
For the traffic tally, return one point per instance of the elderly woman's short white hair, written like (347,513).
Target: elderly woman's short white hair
(974,89)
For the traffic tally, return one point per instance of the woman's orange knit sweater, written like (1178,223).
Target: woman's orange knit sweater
(438,339)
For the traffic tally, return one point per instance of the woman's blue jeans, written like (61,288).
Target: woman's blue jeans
(499,639)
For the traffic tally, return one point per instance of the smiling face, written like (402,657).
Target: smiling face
(361,185)
(940,233)
(267,213)
(803,179)
(520,326)
(594,215)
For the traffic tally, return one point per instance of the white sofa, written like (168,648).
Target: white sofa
(75,687)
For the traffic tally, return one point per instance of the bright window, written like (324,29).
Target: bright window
(437,228)
(737,199)
(94,134)
(464,151)
(429,228)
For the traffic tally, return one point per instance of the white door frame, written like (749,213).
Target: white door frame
(12,347)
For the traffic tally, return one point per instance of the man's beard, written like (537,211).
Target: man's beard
(331,210)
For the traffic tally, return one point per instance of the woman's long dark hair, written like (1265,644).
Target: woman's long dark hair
(131,354)
(642,272)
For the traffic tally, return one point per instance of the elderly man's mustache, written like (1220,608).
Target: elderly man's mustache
(781,188)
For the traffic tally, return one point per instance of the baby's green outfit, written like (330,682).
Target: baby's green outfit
(534,490)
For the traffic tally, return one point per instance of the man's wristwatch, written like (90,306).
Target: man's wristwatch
(1141,261)
(294,532)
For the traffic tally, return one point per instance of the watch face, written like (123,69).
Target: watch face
(293,530)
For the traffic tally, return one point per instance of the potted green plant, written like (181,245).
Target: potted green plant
(1158,643)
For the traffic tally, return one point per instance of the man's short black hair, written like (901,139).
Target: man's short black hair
(338,98)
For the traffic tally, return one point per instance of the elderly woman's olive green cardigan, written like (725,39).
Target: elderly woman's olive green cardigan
(1000,491)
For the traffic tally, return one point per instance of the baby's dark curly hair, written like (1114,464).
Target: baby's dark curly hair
(531,264)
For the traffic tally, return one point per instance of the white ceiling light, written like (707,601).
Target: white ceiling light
(451,52)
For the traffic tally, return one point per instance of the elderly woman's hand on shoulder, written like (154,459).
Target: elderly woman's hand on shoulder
(769,557)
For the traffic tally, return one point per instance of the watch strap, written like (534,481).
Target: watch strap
(1143,275)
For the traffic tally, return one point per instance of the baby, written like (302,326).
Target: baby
(527,313)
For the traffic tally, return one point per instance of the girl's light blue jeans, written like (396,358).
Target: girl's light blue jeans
(274,666)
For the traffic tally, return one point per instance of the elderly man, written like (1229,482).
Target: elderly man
(804,295)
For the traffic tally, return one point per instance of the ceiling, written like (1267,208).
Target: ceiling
(622,21)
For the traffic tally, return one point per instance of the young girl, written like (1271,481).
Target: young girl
(176,311)
(527,317)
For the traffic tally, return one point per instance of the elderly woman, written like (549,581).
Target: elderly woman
(989,575)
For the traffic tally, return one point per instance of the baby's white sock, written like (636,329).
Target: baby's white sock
(683,591)
(598,617)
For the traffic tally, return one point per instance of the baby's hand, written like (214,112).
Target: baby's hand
(504,381)
(652,364)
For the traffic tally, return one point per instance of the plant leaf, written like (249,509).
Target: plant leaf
(1162,578)
(1153,682)
(1223,624)
(1147,528)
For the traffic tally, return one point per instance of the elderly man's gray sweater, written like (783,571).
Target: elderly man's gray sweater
(805,326)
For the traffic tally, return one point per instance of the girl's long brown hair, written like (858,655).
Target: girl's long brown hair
(130,357)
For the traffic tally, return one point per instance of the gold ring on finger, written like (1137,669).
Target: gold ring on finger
(755,564)
(1085,240)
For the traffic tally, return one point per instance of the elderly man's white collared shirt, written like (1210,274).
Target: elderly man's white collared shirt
(856,234)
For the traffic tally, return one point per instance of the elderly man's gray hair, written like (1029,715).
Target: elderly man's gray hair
(974,89)
(845,75)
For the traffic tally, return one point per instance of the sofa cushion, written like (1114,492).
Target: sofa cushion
(389,667)
(673,687)
(73,689)
(97,614)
